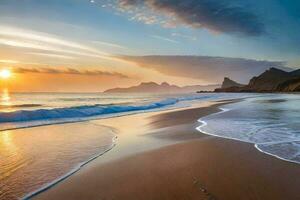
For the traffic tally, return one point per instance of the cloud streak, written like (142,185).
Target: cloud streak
(164,39)
(216,15)
(46,38)
(52,48)
(49,44)
(70,71)
(184,36)
(109,44)
(9,61)
(52,55)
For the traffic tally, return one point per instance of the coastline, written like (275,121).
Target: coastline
(172,133)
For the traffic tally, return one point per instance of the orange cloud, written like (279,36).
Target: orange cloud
(71,71)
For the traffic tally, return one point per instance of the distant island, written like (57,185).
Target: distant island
(152,87)
(272,80)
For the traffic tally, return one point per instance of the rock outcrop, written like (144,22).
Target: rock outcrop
(228,83)
(272,80)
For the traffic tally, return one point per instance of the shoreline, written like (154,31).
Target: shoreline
(81,165)
(162,122)
(222,110)
(114,143)
(70,173)
(109,116)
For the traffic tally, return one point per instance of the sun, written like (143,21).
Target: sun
(5,73)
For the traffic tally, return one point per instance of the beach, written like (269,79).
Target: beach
(161,155)
(149,100)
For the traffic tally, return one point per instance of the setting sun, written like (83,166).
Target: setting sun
(5,74)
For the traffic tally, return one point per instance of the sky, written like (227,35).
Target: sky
(94,45)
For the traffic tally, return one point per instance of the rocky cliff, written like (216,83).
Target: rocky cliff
(272,80)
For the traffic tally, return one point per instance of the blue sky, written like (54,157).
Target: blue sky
(97,32)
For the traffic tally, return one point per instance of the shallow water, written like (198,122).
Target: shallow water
(31,158)
(271,122)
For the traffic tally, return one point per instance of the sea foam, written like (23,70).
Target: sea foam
(271,123)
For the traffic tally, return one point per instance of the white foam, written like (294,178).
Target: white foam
(260,141)
(204,123)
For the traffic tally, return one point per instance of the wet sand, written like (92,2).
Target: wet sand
(162,156)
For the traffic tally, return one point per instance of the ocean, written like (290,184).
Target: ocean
(33,158)
(20,110)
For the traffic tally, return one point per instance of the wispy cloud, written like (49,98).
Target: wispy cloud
(51,48)
(51,55)
(9,61)
(145,18)
(19,62)
(184,36)
(163,38)
(21,38)
(109,44)
(16,43)
(71,71)
(44,37)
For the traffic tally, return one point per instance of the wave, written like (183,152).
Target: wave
(78,112)
(39,117)
(88,110)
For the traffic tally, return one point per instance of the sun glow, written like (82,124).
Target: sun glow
(5,74)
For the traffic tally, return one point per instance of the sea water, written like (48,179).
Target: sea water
(271,122)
